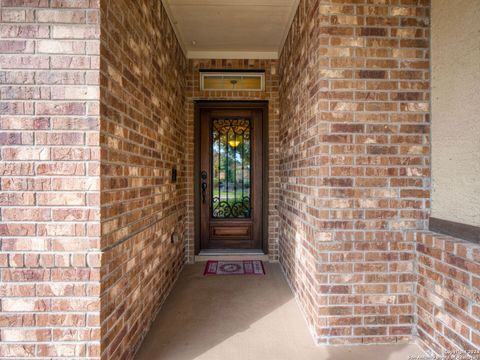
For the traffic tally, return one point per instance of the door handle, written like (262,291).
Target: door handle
(203,176)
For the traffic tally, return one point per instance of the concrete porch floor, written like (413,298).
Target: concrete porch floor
(243,317)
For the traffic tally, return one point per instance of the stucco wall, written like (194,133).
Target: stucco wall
(456,110)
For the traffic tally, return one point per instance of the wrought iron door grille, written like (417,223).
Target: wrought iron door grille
(231,168)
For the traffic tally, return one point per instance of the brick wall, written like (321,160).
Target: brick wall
(142,138)
(354,172)
(49,198)
(448,293)
(271,95)
(88,207)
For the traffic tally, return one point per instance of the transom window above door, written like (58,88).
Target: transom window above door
(236,81)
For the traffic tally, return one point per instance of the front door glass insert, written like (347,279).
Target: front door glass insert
(231,165)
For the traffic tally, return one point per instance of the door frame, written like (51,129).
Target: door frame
(227,104)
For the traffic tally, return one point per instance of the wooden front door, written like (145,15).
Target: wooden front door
(231,178)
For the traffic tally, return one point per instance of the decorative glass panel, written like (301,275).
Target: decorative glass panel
(251,83)
(233,81)
(231,166)
(213,82)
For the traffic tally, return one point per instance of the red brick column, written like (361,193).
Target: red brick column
(354,165)
(49,198)
(143,136)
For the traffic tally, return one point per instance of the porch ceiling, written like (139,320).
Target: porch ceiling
(231,28)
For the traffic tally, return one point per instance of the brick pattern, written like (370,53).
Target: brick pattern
(49,186)
(448,294)
(354,170)
(270,94)
(143,132)
(88,207)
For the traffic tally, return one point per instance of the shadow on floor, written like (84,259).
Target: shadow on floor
(242,317)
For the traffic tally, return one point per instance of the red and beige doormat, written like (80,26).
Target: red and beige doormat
(245,267)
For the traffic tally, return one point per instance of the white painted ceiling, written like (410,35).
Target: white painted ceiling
(231,26)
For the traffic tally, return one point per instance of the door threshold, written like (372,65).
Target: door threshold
(235,254)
